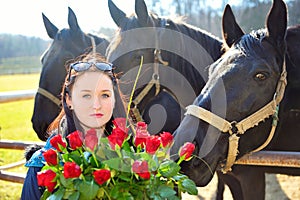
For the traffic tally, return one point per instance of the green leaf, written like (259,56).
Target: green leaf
(88,190)
(173,198)
(179,177)
(58,195)
(76,158)
(113,163)
(65,157)
(125,177)
(126,147)
(165,191)
(114,192)
(125,196)
(74,196)
(169,168)
(67,183)
(189,186)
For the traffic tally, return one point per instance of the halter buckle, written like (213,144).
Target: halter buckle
(155,77)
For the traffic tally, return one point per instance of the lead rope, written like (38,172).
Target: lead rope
(235,128)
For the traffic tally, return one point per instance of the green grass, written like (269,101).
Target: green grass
(16,125)
(19,82)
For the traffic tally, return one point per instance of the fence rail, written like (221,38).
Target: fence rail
(271,158)
(16,95)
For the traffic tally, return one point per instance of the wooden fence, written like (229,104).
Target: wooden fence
(16,145)
(261,158)
(16,95)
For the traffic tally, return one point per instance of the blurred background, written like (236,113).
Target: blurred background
(23,37)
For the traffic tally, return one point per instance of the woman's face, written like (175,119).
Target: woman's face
(92,99)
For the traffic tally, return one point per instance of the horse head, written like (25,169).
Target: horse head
(240,83)
(67,44)
(173,56)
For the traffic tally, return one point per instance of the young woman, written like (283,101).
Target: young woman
(90,96)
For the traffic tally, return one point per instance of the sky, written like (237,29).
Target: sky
(24,17)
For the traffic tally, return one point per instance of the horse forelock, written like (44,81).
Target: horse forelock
(251,44)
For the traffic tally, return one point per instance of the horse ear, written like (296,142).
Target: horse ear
(50,28)
(72,20)
(231,30)
(142,12)
(277,22)
(117,15)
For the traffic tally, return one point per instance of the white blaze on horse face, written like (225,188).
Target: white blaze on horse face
(93,99)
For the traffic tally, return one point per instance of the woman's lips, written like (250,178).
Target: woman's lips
(98,115)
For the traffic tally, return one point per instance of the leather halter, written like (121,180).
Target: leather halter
(238,128)
(50,96)
(134,111)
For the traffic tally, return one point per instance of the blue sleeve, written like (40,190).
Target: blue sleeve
(31,190)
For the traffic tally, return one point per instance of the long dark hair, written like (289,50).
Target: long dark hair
(119,110)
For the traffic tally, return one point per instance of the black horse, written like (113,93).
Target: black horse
(240,83)
(175,55)
(67,44)
(181,53)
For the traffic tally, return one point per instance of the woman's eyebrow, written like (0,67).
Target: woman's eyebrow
(106,90)
(85,90)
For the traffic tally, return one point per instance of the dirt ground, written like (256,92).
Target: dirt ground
(278,187)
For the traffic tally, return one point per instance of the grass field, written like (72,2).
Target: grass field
(15,125)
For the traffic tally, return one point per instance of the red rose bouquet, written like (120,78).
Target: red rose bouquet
(120,166)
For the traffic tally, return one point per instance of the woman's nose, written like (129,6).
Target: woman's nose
(97,104)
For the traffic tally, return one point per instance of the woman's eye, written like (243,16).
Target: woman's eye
(86,96)
(105,95)
(260,76)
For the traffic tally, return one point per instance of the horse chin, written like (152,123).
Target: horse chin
(39,128)
(201,173)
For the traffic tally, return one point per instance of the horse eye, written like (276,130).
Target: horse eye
(260,76)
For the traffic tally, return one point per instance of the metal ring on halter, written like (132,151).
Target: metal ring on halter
(155,76)
(233,128)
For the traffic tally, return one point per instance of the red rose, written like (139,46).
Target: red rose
(166,139)
(186,150)
(58,143)
(141,168)
(141,134)
(75,139)
(91,139)
(152,144)
(46,179)
(121,123)
(51,157)
(71,170)
(117,137)
(101,176)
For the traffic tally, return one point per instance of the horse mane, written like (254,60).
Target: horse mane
(210,43)
(174,23)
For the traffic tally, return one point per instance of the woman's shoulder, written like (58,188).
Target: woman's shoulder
(34,154)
